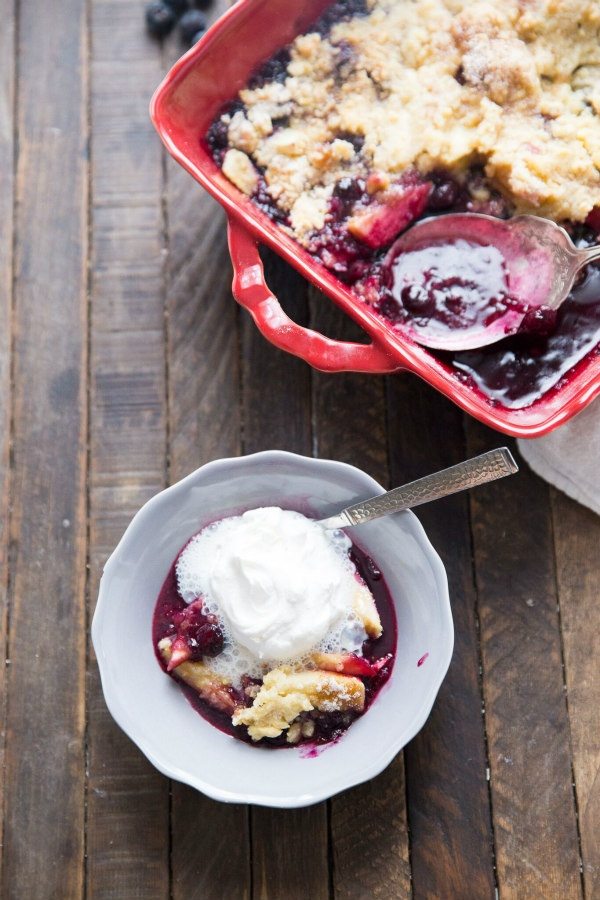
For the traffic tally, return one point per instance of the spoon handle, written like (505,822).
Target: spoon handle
(487,467)
(588,255)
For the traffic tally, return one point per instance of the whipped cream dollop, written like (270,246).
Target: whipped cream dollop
(279,581)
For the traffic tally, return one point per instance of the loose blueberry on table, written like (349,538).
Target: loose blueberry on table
(328,641)
(383,113)
(163,15)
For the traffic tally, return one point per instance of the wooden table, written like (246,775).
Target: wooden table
(124,364)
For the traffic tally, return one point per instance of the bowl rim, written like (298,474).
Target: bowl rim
(149,748)
(553,409)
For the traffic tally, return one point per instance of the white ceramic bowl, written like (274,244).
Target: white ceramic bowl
(152,710)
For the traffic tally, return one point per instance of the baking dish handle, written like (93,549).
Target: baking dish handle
(251,291)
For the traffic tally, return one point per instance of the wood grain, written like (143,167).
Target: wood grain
(535,827)
(44,834)
(210,840)
(289,853)
(276,400)
(7,163)
(289,847)
(576,541)
(128,801)
(204,415)
(449,814)
(168,393)
(369,832)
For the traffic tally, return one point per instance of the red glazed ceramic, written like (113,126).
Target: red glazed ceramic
(182,109)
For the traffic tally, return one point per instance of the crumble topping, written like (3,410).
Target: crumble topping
(238,168)
(365,609)
(509,85)
(285,694)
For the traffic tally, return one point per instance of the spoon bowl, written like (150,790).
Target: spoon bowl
(539,264)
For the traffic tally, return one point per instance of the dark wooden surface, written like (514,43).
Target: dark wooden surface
(124,364)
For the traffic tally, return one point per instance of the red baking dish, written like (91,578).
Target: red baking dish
(182,109)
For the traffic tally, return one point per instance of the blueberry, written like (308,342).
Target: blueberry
(160,19)
(357,140)
(358,269)
(203,4)
(205,640)
(340,11)
(540,321)
(274,69)
(197,37)
(460,75)
(190,24)
(201,632)
(444,194)
(217,135)
(178,6)
(345,61)
(349,189)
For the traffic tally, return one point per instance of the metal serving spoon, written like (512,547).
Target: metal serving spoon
(541,265)
(487,467)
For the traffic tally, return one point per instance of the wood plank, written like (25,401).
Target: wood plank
(369,838)
(576,541)
(128,801)
(449,814)
(203,333)
(276,402)
(210,840)
(289,853)
(7,161)
(277,415)
(369,833)
(533,807)
(44,824)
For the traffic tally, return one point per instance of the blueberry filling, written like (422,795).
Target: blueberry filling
(363,219)
(196,636)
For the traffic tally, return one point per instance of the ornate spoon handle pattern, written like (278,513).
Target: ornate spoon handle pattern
(487,467)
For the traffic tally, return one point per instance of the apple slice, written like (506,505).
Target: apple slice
(349,664)
(379,223)
(180,652)
(211,687)
(365,609)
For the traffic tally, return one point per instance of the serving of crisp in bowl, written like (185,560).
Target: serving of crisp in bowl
(161,713)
